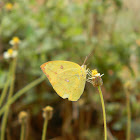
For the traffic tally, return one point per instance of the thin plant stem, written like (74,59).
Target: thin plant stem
(44,129)
(22,134)
(5,89)
(128,132)
(104,114)
(4,120)
(3,94)
(21,92)
(3,126)
(13,78)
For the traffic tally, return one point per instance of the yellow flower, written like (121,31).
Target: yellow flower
(15,41)
(10,53)
(9,6)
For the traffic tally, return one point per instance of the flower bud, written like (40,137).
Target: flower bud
(129,86)
(22,117)
(47,112)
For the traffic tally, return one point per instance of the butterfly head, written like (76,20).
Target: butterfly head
(84,66)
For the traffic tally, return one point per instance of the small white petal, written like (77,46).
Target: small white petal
(98,74)
(101,75)
(6,55)
(11,42)
(14,54)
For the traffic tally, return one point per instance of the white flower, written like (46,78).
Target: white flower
(93,75)
(96,74)
(15,41)
(10,54)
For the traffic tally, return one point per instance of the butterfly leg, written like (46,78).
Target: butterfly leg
(90,78)
(90,81)
(89,72)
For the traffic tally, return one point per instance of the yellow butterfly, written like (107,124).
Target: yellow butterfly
(67,78)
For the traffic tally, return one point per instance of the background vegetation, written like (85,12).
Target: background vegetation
(71,30)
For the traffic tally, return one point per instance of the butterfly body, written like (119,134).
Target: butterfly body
(67,78)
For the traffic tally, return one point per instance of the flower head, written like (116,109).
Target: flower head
(22,117)
(15,41)
(95,78)
(129,86)
(95,73)
(48,112)
(10,53)
(9,6)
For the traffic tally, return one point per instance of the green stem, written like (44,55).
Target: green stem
(4,120)
(45,129)
(128,132)
(3,94)
(104,114)
(22,135)
(5,89)
(21,92)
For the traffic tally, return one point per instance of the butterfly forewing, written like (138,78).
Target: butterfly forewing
(67,78)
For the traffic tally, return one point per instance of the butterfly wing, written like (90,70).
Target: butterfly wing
(67,78)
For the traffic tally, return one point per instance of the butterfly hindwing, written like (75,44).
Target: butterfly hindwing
(70,86)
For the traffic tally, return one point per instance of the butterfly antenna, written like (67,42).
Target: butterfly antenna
(85,60)
(87,57)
